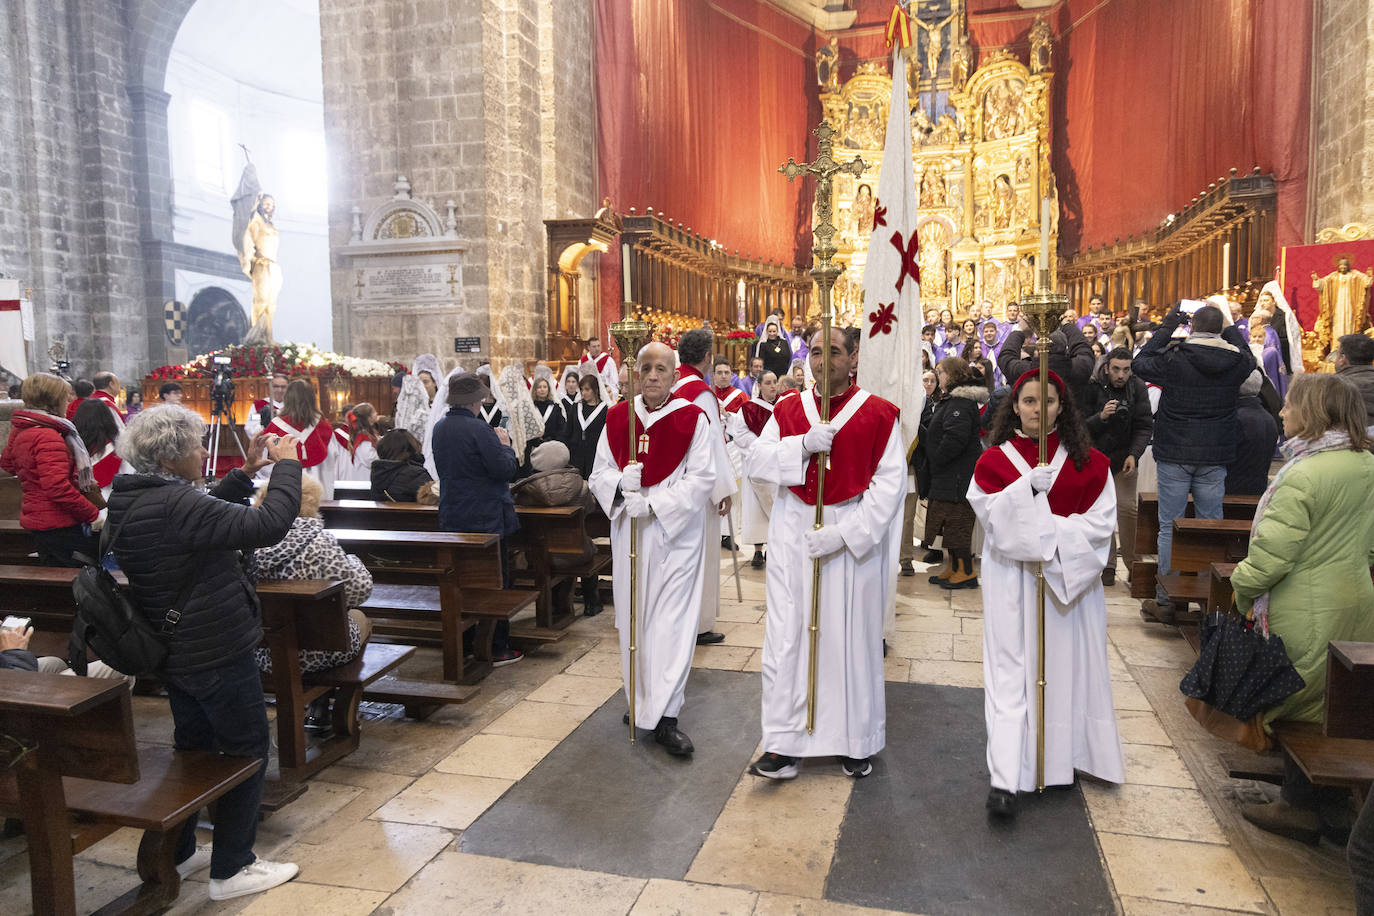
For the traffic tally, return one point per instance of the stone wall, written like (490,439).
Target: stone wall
(1343,70)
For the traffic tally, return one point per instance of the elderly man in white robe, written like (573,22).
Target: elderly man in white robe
(865,483)
(669,493)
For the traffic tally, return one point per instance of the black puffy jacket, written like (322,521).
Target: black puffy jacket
(1071,358)
(951,442)
(169,529)
(398,481)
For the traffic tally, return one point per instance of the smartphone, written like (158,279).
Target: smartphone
(1190,306)
(15,623)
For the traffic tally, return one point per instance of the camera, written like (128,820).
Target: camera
(222,388)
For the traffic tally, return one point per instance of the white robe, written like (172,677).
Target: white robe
(671,571)
(723,485)
(756,496)
(857,583)
(1080,720)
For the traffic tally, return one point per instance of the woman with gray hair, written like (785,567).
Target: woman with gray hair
(179,545)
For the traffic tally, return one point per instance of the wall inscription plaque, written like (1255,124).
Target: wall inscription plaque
(408,281)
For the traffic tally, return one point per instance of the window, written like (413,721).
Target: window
(209,134)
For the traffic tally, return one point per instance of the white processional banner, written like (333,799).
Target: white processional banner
(890,351)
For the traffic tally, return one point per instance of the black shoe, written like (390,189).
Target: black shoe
(726,543)
(1001,803)
(856,767)
(508,657)
(884,648)
(710,638)
(1109,576)
(591,610)
(907,568)
(757,562)
(673,741)
(774,766)
(933,556)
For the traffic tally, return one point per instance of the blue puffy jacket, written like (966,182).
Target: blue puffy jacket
(475,472)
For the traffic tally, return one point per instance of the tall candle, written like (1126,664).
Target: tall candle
(625,269)
(1044,234)
(1226,266)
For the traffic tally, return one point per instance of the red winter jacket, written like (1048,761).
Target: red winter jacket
(39,457)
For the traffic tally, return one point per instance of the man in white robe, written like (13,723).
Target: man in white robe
(864,486)
(1061,516)
(669,494)
(694,353)
(606,369)
(756,497)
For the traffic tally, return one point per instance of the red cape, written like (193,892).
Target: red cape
(661,448)
(1074,491)
(857,450)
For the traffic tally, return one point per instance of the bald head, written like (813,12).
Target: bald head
(656,371)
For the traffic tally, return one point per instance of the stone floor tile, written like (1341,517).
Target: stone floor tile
(896,669)
(972,626)
(597,664)
(966,600)
(741,612)
(1144,906)
(496,756)
(947,673)
(1313,896)
(968,649)
(724,657)
(1198,874)
(1128,695)
(755,663)
(539,720)
(95,884)
(1152,765)
(661,897)
(1161,653)
(371,855)
(575,691)
(1155,811)
(783,905)
(301,899)
(749,635)
(444,800)
(919,623)
(747,849)
(1140,727)
(458,882)
(909,644)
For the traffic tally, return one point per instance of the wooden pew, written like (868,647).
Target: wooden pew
(16,544)
(424,578)
(551,539)
(1145,568)
(83,725)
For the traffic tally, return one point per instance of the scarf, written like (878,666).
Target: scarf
(81,459)
(1295,450)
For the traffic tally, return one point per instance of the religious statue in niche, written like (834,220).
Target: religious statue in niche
(921,126)
(932,186)
(998,284)
(863,211)
(865,125)
(960,62)
(1003,114)
(1003,202)
(1344,304)
(1023,167)
(257,242)
(1025,273)
(1041,46)
(934,236)
(966,286)
(946,132)
(828,66)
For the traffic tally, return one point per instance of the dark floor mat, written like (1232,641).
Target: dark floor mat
(600,803)
(915,836)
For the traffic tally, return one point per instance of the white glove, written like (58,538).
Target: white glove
(819,438)
(822,542)
(636,506)
(631,478)
(1041,477)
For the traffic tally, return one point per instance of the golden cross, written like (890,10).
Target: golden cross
(824,168)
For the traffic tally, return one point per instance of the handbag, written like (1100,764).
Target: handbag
(108,621)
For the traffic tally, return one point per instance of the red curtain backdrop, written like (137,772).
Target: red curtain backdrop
(698,103)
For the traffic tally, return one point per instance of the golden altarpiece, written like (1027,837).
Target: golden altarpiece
(981,162)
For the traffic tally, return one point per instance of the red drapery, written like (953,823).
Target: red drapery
(698,103)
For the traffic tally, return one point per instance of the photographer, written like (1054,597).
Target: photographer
(1195,430)
(1120,423)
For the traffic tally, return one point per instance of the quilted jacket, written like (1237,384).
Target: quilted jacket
(40,458)
(169,528)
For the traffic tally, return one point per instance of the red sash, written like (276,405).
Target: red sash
(690,384)
(756,413)
(112,404)
(858,448)
(1074,491)
(731,398)
(662,443)
(600,361)
(314,442)
(106,466)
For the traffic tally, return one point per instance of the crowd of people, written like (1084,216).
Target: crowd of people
(1192,403)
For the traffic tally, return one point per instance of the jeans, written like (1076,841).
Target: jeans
(57,545)
(1206,483)
(223,710)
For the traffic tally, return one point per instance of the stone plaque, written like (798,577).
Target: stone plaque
(408,282)
(467,345)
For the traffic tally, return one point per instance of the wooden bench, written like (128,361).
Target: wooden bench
(1145,568)
(432,586)
(82,725)
(16,544)
(550,538)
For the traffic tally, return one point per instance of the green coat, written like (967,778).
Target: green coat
(1312,552)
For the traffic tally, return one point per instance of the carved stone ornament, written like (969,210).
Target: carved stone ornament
(1350,232)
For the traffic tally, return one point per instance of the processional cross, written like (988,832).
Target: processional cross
(824,271)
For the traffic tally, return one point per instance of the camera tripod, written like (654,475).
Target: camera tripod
(220,418)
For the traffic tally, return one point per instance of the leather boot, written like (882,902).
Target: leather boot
(963,576)
(940,577)
(673,740)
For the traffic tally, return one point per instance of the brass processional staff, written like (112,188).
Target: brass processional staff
(631,334)
(824,271)
(1045,309)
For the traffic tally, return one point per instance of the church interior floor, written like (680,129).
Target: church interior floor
(387,830)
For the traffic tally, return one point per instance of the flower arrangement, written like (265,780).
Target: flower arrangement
(740,334)
(293,358)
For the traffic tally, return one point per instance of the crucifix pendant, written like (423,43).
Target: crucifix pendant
(642,445)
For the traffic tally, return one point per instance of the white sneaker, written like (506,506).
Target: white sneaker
(251,879)
(199,859)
